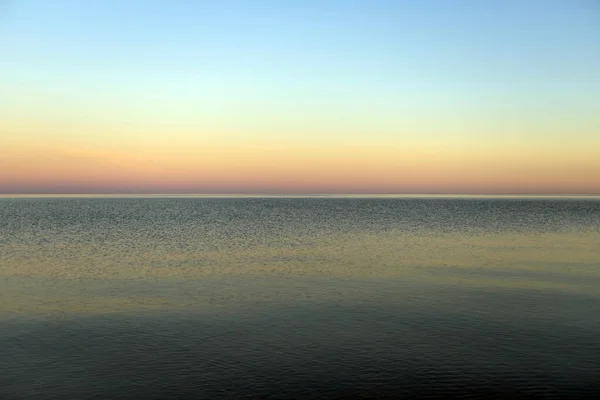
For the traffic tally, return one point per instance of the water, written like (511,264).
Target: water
(108,298)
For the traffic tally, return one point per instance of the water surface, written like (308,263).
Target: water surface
(299,297)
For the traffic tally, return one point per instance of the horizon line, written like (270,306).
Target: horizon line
(299,195)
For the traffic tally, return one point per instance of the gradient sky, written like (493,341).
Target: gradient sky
(311,96)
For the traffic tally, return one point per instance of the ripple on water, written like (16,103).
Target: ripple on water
(298,298)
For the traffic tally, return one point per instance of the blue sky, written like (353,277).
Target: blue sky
(411,46)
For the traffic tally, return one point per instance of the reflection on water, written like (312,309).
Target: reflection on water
(287,298)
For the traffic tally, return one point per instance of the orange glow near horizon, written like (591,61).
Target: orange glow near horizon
(300,167)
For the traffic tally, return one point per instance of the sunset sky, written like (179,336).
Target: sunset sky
(308,96)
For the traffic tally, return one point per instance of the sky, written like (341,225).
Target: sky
(290,96)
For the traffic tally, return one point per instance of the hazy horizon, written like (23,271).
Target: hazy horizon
(309,194)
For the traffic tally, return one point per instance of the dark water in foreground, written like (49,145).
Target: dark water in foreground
(165,298)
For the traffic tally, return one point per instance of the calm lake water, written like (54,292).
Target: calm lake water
(177,298)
